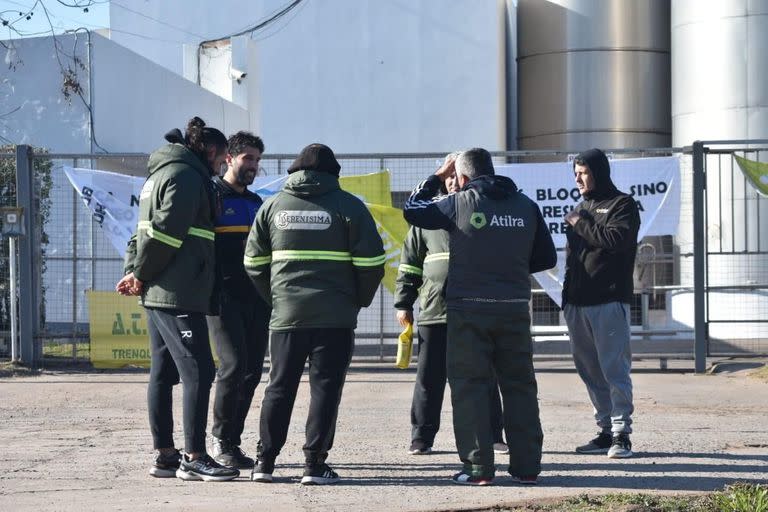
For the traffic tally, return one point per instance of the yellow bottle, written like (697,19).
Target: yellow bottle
(404,347)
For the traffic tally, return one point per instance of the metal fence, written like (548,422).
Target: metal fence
(736,256)
(74,256)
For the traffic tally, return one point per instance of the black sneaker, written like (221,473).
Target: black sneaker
(262,471)
(230,455)
(525,480)
(320,474)
(205,469)
(467,479)
(419,447)
(599,444)
(165,466)
(621,447)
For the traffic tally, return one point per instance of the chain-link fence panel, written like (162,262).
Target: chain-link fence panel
(737,254)
(7,198)
(78,257)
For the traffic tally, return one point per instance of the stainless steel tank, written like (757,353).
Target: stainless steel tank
(719,70)
(593,73)
(719,76)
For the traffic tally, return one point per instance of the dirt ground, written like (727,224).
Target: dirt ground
(80,441)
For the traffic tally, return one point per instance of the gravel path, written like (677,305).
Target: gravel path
(80,441)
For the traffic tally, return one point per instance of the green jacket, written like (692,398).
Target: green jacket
(315,254)
(172,252)
(422,273)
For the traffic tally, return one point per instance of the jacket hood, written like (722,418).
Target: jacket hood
(176,154)
(310,183)
(494,187)
(601,172)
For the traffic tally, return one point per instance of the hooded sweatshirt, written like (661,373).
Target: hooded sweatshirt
(498,237)
(600,255)
(314,253)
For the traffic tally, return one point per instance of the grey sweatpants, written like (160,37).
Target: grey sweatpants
(601,351)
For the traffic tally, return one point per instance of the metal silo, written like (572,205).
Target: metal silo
(719,70)
(593,73)
(719,75)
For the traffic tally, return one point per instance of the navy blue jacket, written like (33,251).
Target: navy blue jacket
(235,216)
(498,237)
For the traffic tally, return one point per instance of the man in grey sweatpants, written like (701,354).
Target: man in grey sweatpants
(602,242)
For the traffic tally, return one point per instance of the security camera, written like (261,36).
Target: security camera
(237,74)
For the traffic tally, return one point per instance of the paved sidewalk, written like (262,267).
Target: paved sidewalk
(80,441)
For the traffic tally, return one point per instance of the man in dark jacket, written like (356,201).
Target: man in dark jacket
(422,274)
(240,330)
(497,239)
(169,264)
(602,242)
(314,253)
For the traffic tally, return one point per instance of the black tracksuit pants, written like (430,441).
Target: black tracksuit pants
(240,334)
(430,384)
(329,352)
(180,348)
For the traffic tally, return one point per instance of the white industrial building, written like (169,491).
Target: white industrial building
(367,76)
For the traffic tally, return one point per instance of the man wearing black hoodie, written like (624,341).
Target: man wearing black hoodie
(602,242)
(497,238)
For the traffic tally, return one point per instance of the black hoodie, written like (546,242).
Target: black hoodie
(600,256)
(497,239)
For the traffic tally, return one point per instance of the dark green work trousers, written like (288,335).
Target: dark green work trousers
(478,344)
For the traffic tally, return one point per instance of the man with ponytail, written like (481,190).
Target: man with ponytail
(169,264)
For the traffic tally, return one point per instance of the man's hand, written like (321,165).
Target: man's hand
(404,317)
(447,170)
(129,285)
(572,217)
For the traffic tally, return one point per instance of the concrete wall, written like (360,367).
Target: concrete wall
(35,110)
(359,75)
(134,101)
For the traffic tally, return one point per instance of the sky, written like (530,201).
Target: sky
(62,17)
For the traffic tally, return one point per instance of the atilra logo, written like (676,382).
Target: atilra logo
(478,220)
(507,221)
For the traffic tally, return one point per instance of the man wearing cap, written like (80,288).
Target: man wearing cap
(597,291)
(314,253)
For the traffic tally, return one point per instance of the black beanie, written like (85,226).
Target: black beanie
(316,157)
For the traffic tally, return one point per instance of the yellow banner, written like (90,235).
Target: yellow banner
(374,189)
(370,188)
(118,331)
(392,228)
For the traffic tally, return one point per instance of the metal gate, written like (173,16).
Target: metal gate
(731,267)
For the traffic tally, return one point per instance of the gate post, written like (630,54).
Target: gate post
(27,292)
(699,259)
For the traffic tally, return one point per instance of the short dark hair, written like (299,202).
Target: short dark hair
(241,140)
(475,162)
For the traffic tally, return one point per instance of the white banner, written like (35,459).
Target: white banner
(114,199)
(653,182)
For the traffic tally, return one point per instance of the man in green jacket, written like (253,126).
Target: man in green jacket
(314,253)
(169,265)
